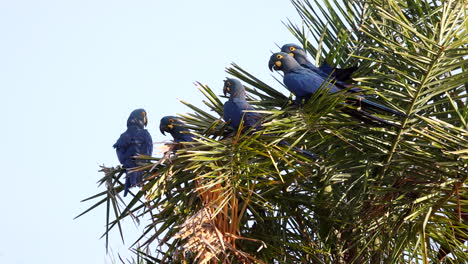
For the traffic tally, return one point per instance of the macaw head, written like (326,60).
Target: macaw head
(296,51)
(169,124)
(175,127)
(234,88)
(138,118)
(282,61)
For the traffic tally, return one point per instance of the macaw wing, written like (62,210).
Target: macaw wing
(342,75)
(122,146)
(142,143)
(131,143)
(232,114)
(183,137)
(251,119)
(303,82)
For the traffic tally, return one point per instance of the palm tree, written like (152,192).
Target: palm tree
(374,195)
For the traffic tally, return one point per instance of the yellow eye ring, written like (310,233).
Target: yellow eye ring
(171,120)
(279,56)
(292,48)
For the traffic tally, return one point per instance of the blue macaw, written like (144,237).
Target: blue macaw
(174,126)
(135,140)
(235,111)
(235,107)
(339,76)
(304,82)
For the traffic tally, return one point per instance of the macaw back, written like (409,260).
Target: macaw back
(303,82)
(132,142)
(339,77)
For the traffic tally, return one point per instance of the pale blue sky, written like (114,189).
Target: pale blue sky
(70,74)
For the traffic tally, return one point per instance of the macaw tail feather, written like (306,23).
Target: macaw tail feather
(369,118)
(302,151)
(306,153)
(365,102)
(132,180)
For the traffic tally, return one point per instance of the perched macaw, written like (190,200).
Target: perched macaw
(174,126)
(236,109)
(304,82)
(135,140)
(325,70)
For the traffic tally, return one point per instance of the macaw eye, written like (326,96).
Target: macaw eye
(279,56)
(292,48)
(143,114)
(228,83)
(171,120)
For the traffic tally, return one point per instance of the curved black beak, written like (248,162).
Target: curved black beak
(161,128)
(271,63)
(226,88)
(145,118)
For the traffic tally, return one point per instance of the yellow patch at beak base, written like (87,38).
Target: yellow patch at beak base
(292,54)
(278,63)
(170,126)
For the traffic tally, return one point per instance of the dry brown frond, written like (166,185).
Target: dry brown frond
(200,236)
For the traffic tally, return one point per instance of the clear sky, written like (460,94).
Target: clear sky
(70,74)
